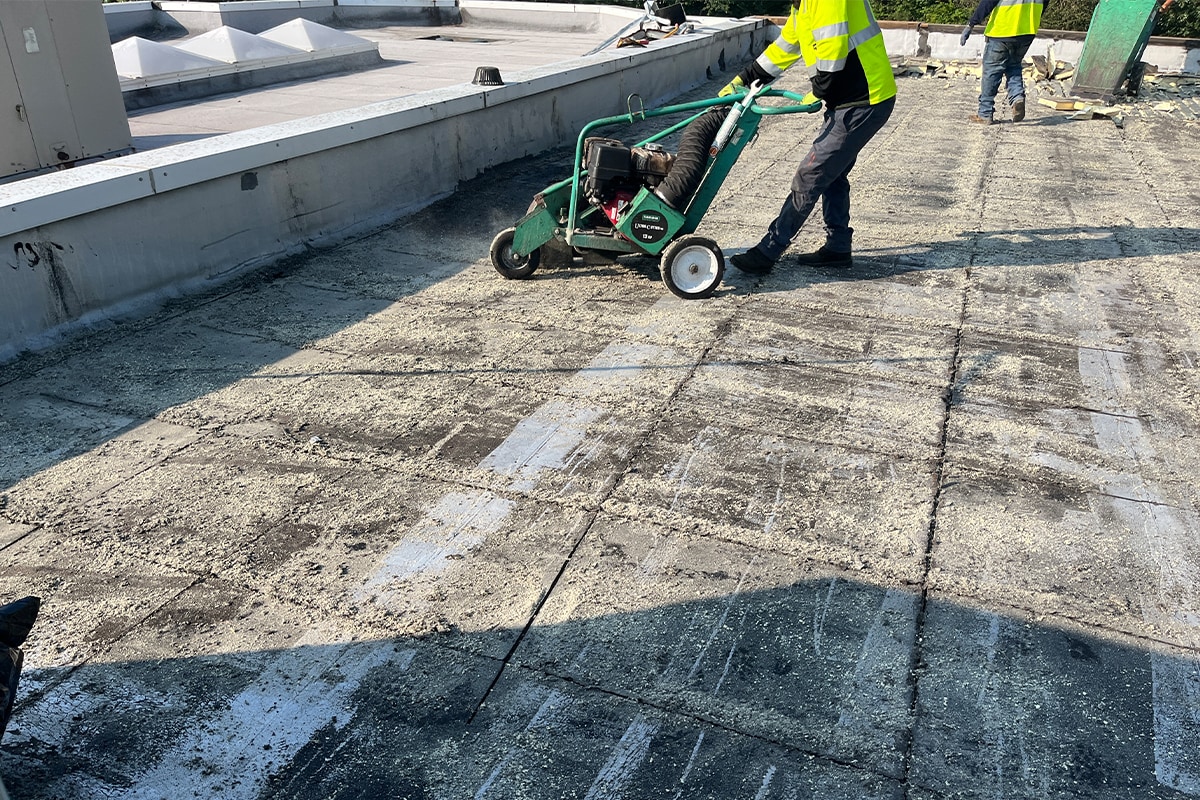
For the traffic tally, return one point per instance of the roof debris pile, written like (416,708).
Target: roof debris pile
(1171,92)
(1174,94)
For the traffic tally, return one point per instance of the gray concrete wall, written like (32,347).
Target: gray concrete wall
(113,236)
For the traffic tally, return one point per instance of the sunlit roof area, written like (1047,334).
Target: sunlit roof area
(317,481)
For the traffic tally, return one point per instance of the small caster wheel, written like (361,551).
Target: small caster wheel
(506,262)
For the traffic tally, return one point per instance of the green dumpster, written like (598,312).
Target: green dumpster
(1116,39)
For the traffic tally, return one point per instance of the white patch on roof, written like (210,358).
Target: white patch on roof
(232,46)
(303,34)
(136,57)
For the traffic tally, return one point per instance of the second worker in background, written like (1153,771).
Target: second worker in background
(842,46)
(1011,26)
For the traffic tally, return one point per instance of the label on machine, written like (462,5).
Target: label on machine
(648,226)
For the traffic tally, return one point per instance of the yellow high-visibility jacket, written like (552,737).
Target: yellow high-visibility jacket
(1014,18)
(825,33)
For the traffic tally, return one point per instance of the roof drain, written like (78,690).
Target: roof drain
(487,76)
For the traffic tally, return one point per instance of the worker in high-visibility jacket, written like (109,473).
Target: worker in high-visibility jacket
(1011,26)
(842,46)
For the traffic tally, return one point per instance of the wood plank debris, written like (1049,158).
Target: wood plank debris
(1173,94)
(1058,103)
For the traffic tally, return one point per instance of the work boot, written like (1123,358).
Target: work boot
(1018,109)
(826,258)
(980,120)
(753,262)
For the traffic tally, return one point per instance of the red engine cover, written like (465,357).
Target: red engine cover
(614,207)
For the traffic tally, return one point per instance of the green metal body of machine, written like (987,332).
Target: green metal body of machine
(691,266)
(1113,48)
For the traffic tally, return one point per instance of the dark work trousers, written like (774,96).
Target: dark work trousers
(1002,59)
(822,175)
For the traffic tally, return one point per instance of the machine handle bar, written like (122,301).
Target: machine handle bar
(699,106)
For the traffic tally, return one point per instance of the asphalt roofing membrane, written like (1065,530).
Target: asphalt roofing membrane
(375,522)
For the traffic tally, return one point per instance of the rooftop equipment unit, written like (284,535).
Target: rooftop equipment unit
(60,98)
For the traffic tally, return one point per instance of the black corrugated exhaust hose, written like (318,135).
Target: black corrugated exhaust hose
(691,159)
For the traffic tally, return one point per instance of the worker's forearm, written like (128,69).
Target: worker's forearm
(754,72)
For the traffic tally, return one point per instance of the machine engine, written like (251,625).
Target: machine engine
(615,172)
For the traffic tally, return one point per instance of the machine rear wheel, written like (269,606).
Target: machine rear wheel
(692,267)
(506,262)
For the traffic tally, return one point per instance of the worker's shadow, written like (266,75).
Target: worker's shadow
(1064,246)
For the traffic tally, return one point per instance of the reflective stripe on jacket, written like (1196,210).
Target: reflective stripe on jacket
(823,33)
(1014,18)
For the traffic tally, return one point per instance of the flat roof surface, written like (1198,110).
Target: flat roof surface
(416,59)
(375,522)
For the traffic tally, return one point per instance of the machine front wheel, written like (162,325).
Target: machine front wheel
(506,262)
(692,267)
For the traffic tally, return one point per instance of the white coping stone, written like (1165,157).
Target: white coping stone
(128,7)
(136,57)
(42,199)
(234,46)
(304,34)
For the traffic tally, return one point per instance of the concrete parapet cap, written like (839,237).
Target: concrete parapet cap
(42,199)
(131,6)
